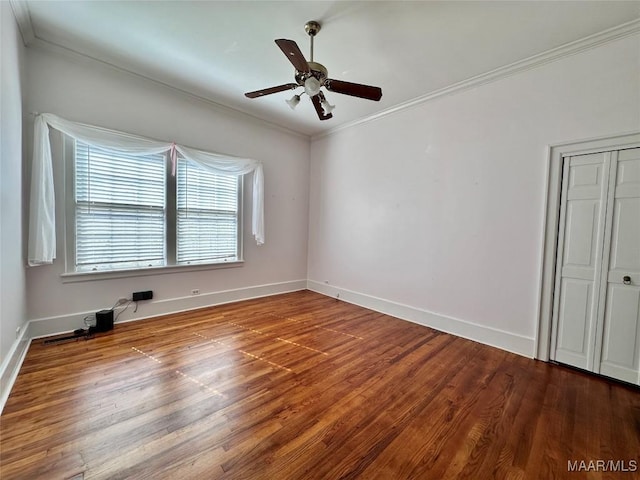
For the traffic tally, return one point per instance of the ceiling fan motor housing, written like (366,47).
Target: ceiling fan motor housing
(316,70)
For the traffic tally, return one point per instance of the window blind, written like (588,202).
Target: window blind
(120,209)
(207,215)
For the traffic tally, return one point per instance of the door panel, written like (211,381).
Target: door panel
(580,248)
(582,222)
(621,343)
(628,167)
(576,297)
(621,329)
(625,244)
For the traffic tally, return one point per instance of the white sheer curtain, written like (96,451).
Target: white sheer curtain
(42,237)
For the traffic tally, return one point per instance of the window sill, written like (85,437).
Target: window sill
(75,277)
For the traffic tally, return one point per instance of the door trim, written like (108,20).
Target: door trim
(555,159)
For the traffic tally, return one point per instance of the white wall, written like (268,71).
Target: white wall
(12,276)
(440,207)
(86,91)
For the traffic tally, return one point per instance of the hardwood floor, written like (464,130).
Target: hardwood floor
(301,386)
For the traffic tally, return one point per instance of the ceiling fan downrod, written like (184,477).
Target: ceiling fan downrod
(312,28)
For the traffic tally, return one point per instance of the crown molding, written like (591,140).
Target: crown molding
(566,50)
(23,18)
(31,40)
(75,55)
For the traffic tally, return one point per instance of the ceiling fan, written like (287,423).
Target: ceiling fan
(312,76)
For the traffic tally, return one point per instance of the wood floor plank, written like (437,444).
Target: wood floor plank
(437,426)
(302,386)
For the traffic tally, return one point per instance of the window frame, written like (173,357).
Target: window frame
(173,222)
(71,275)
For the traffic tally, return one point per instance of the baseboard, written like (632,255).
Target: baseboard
(43,327)
(11,365)
(494,337)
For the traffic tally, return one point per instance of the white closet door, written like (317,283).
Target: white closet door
(620,353)
(579,268)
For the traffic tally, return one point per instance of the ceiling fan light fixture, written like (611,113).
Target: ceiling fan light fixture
(328,108)
(293,101)
(312,86)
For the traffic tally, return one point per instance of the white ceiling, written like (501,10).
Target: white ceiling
(218,50)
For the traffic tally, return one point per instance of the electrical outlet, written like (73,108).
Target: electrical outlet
(146,295)
(195,291)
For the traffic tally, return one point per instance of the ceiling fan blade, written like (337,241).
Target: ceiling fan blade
(353,89)
(293,53)
(269,91)
(316,99)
